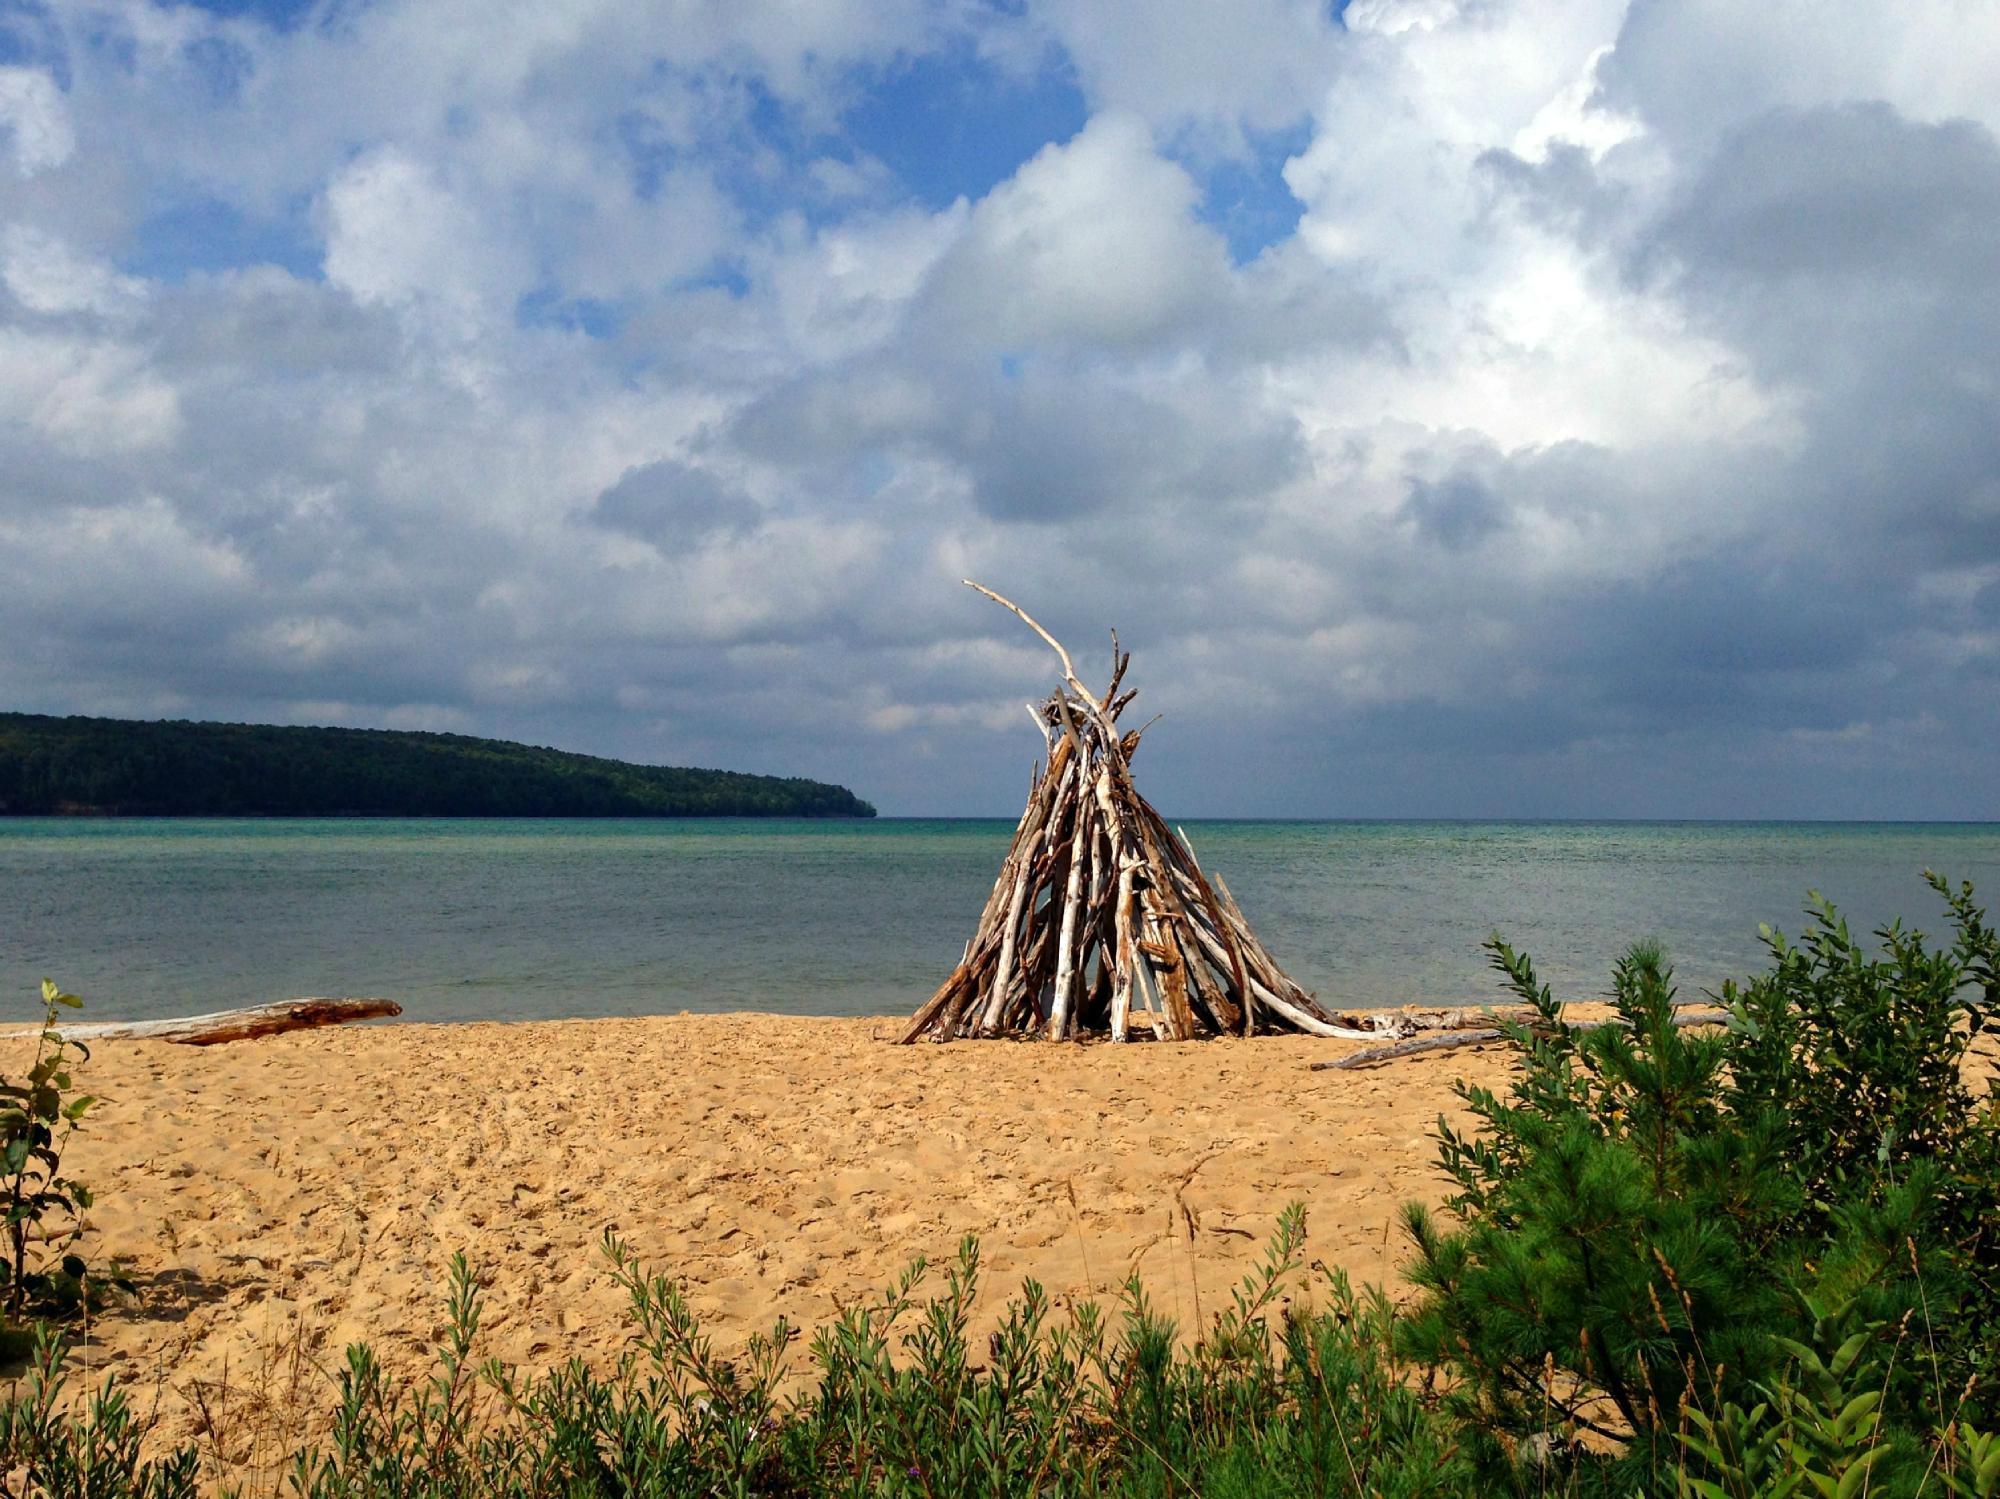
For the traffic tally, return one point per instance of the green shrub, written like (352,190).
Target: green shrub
(1858,1063)
(49,1447)
(1649,1224)
(41,1275)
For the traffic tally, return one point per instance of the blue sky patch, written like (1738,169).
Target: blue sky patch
(282,15)
(547,307)
(952,125)
(206,234)
(1247,201)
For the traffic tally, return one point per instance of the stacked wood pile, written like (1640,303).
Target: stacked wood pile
(1102,922)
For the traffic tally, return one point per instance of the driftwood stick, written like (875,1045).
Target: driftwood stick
(1263,966)
(990,1020)
(1412,1046)
(1066,798)
(958,1014)
(1162,904)
(1452,1040)
(1127,957)
(1270,999)
(1041,725)
(1095,708)
(1173,984)
(1069,667)
(228,1025)
(1003,886)
(1023,876)
(921,1021)
(1236,971)
(1211,996)
(1311,1024)
(1060,1006)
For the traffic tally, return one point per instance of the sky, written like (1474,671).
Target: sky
(1461,408)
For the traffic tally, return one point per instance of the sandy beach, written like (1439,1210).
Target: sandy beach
(278,1199)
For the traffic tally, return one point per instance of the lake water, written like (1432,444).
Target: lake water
(512,919)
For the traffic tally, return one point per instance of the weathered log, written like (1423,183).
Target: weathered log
(1410,1019)
(1453,1040)
(228,1025)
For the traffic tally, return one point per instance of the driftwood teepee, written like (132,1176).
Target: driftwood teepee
(1101,921)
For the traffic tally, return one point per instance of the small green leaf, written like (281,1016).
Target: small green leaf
(1858,1409)
(1852,1480)
(1849,1351)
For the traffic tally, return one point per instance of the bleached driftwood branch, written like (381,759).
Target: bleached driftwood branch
(228,1025)
(1452,1040)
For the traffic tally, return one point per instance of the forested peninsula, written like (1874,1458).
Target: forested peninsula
(124,767)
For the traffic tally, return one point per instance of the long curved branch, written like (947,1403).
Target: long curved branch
(1069,667)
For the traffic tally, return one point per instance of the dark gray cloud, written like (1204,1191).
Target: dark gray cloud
(1033,441)
(673,507)
(1050,446)
(1458,511)
(1847,251)
(1845,191)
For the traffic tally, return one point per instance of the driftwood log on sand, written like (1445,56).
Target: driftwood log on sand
(1451,1040)
(1102,922)
(229,1025)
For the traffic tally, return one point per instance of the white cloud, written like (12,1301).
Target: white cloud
(1093,242)
(45,275)
(848,288)
(1577,116)
(1389,175)
(35,120)
(89,397)
(140,563)
(1193,64)
(397,235)
(1697,69)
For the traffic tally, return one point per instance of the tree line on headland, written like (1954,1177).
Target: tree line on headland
(111,766)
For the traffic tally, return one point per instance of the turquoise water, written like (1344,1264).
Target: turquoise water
(508,919)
